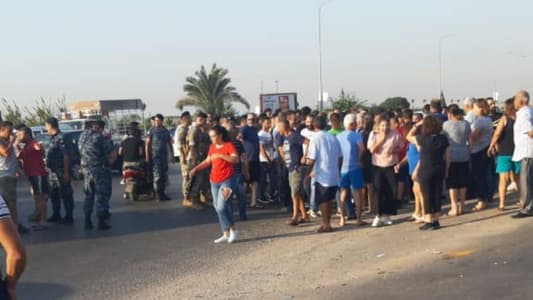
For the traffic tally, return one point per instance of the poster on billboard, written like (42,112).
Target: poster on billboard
(283,101)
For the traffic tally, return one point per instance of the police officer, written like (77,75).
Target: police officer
(157,146)
(97,154)
(58,162)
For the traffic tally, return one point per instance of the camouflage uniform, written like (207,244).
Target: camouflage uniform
(94,150)
(199,185)
(183,147)
(59,188)
(159,141)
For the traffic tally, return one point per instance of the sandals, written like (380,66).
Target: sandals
(361,223)
(479,207)
(324,229)
(416,219)
(292,222)
(450,214)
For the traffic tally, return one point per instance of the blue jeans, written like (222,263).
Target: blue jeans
(224,208)
(284,190)
(309,186)
(240,194)
(267,170)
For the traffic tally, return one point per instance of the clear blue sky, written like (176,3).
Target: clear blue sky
(375,49)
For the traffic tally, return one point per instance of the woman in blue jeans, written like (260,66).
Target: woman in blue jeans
(221,157)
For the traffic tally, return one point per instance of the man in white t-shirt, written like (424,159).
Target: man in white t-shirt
(308,132)
(523,152)
(325,157)
(266,160)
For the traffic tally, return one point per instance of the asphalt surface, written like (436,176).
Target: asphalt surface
(163,251)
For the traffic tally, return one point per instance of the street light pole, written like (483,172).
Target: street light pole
(320,79)
(442,38)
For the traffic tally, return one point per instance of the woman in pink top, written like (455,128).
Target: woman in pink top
(385,145)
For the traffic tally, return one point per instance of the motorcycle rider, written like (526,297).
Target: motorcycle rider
(132,150)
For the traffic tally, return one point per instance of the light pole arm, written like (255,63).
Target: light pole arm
(320,78)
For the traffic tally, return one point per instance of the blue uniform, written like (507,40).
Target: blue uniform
(94,150)
(159,141)
(59,188)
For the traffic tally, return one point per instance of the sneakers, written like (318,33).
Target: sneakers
(380,221)
(264,202)
(221,239)
(386,220)
(233,234)
(312,213)
(377,222)
(512,187)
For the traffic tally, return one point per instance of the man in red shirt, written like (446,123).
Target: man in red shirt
(31,153)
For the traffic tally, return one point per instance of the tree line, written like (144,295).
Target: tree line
(34,114)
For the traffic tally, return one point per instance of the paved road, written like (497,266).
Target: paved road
(161,251)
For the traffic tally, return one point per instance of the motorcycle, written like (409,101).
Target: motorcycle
(137,181)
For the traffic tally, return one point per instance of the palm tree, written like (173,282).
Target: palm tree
(211,92)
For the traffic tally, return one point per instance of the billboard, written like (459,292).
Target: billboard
(283,101)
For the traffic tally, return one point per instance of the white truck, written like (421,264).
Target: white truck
(117,114)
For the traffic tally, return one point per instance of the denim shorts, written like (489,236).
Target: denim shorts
(353,179)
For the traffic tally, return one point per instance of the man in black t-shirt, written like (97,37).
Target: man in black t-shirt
(132,148)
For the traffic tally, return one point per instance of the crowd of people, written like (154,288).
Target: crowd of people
(363,161)
(303,160)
